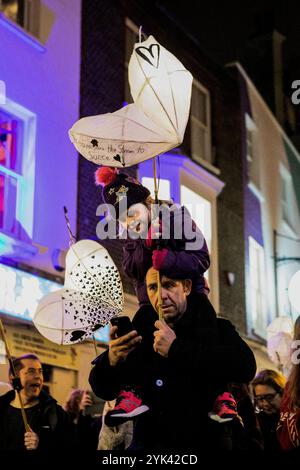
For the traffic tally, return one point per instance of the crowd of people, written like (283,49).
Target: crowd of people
(182,379)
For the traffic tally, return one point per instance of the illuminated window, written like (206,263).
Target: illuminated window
(17,170)
(200,125)
(252,156)
(10,139)
(25,13)
(200,210)
(164,191)
(286,197)
(257,287)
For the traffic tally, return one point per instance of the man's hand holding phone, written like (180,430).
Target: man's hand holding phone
(122,340)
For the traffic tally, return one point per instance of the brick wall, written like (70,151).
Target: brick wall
(102,90)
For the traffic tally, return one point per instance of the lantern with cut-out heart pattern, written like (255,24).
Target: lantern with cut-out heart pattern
(92,295)
(90,269)
(68,316)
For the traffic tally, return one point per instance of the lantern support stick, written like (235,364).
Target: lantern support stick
(16,380)
(160,315)
(95,345)
(72,237)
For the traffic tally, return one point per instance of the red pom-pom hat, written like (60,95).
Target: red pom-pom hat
(105,175)
(116,186)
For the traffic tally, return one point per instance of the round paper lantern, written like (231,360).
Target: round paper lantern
(91,270)
(67,316)
(280,324)
(279,349)
(294,291)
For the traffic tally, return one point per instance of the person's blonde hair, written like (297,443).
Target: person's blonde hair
(271,378)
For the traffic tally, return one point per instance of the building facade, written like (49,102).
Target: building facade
(40,72)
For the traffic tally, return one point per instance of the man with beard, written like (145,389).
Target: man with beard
(50,427)
(181,363)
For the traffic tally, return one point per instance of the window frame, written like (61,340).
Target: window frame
(25,175)
(194,121)
(287,207)
(258,316)
(30,16)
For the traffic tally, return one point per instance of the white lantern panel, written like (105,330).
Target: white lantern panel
(68,316)
(90,269)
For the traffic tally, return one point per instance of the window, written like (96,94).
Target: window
(10,144)
(25,13)
(200,125)
(200,210)
(17,170)
(164,191)
(257,287)
(286,197)
(130,40)
(252,156)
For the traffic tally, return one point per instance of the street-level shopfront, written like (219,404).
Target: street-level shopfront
(65,366)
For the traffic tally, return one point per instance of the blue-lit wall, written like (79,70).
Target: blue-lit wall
(45,81)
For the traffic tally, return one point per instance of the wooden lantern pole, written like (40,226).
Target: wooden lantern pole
(12,368)
(160,314)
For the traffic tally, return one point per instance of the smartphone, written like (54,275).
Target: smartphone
(124,325)
(97,406)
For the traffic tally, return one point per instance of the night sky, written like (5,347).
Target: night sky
(223,29)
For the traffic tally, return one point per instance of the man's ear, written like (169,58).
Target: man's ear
(187,286)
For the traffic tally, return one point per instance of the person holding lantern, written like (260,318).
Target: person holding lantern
(168,240)
(188,353)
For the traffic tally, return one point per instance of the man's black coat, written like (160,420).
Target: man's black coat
(180,390)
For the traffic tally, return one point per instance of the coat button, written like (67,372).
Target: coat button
(159,383)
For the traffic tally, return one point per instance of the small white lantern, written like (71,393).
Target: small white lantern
(67,316)
(91,270)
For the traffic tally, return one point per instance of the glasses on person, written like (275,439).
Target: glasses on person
(268,397)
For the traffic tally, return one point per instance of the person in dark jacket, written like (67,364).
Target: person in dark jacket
(87,426)
(181,362)
(183,252)
(50,427)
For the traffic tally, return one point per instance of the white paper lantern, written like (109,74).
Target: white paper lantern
(294,291)
(67,316)
(279,325)
(91,270)
(279,349)
(161,86)
(155,123)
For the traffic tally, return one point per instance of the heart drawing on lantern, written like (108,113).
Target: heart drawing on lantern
(150,54)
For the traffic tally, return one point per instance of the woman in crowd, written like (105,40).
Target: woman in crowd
(268,388)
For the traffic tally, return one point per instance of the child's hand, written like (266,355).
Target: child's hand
(154,233)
